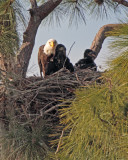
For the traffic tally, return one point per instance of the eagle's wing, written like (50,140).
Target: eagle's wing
(41,59)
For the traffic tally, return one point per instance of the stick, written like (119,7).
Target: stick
(69,52)
(59,141)
(71,48)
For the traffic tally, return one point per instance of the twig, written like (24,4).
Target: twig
(77,77)
(27,116)
(54,107)
(25,112)
(68,53)
(71,48)
(58,147)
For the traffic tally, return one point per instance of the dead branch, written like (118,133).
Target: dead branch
(60,141)
(101,35)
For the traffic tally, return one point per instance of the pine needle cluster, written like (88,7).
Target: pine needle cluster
(23,142)
(8,34)
(96,123)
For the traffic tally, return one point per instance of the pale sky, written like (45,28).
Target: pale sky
(82,36)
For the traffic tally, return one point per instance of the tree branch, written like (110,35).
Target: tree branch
(37,14)
(123,2)
(101,35)
(33,3)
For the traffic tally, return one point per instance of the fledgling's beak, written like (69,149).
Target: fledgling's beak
(52,44)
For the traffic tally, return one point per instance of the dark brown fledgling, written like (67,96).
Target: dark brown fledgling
(61,60)
(88,60)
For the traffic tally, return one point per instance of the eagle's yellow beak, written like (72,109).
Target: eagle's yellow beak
(51,44)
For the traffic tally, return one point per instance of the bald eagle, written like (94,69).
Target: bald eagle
(45,55)
(88,60)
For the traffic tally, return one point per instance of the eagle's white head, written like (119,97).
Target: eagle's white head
(50,47)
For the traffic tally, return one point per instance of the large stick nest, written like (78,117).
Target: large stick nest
(31,98)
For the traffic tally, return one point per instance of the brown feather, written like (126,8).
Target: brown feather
(43,60)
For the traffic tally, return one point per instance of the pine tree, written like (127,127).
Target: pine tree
(96,123)
(9,36)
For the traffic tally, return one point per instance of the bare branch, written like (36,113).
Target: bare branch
(60,141)
(48,7)
(123,2)
(101,35)
(33,3)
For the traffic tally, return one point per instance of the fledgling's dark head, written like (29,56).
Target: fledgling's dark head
(88,53)
(60,49)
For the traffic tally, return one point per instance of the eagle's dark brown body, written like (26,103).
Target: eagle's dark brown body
(45,55)
(43,60)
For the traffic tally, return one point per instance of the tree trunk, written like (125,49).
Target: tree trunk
(101,35)
(37,14)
